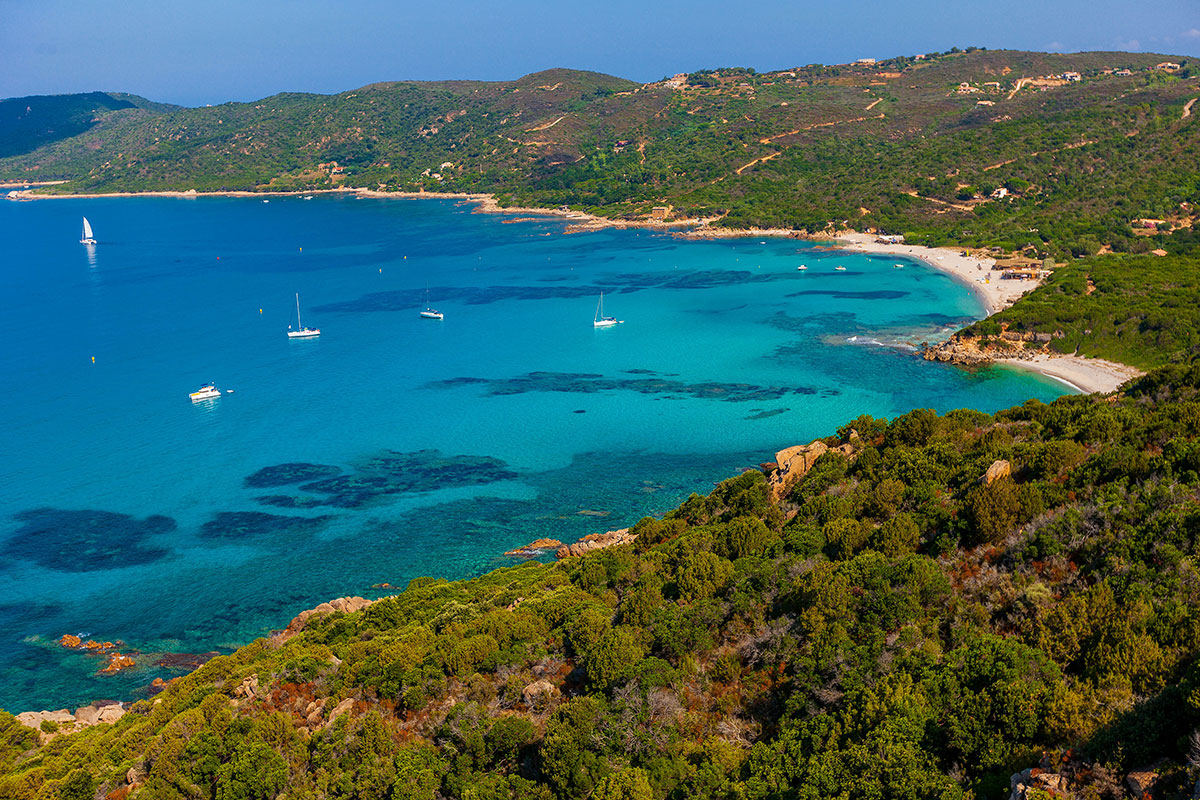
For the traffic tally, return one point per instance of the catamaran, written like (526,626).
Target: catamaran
(303,332)
(206,392)
(430,312)
(88,237)
(601,321)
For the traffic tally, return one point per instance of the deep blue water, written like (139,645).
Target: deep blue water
(416,447)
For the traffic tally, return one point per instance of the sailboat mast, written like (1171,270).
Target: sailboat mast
(298,325)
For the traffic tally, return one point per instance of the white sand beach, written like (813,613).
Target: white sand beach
(974,271)
(1084,374)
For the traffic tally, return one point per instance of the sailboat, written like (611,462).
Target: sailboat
(88,236)
(601,321)
(303,332)
(430,312)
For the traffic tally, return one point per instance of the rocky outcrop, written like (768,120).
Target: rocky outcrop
(793,463)
(339,709)
(68,640)
(967,350)
(964,352)
(248,688)
(535,548)
(595,541)
(346,605)
(999,469)
(100,713)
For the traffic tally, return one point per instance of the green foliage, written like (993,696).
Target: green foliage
(910,632)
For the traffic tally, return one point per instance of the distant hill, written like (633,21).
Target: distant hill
(1081,145)
(27,123)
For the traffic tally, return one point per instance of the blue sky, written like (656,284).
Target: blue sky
(210,51)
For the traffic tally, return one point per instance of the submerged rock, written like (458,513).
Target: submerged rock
(117,662)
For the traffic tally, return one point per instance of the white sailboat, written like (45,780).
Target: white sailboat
(303,332)
(88,236)
(601,321)
(430,312)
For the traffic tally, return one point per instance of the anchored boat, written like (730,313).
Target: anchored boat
(302,332)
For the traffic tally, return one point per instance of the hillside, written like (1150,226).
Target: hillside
(905,145)
(924,609)
(27,123)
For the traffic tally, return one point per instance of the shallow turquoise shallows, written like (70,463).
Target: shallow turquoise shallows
(391,446)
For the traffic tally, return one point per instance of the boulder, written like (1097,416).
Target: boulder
(537,690)
(339,709)
(793,464)
(999,469)
(70,641)
(99,713)
(1141,782)
(248,688)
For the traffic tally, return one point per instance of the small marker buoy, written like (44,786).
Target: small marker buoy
(260,311)
(93,359)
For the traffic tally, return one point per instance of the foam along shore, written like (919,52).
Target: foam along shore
(974,271)
(1087,375)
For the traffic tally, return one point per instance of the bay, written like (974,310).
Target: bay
(392,446)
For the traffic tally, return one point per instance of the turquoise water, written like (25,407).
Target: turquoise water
(392,446)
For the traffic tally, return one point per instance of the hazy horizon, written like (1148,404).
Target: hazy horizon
(226,52)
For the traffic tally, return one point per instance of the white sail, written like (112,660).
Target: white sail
(87,231)
(600,320)
(301,332)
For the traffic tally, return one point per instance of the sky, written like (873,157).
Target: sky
(213,51)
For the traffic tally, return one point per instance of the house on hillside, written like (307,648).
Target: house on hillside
(1072,77)
(1124,73)
(1167,66)
(1000,193)
(865,62)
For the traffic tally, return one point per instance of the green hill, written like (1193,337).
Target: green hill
(938,604)
(27,123)
(905,145)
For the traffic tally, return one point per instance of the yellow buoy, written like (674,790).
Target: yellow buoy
(93,359)
(260,311)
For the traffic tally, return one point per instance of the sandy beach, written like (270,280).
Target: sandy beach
(975,272)
(1087,375)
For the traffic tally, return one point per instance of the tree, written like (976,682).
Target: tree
(626,784)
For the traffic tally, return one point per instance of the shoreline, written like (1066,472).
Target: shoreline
(1085,375)
(996,295)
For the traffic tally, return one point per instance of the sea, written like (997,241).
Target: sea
(392,446)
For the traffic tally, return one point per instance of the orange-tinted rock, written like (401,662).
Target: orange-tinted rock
(70,641)
(535,548)
(116,663)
